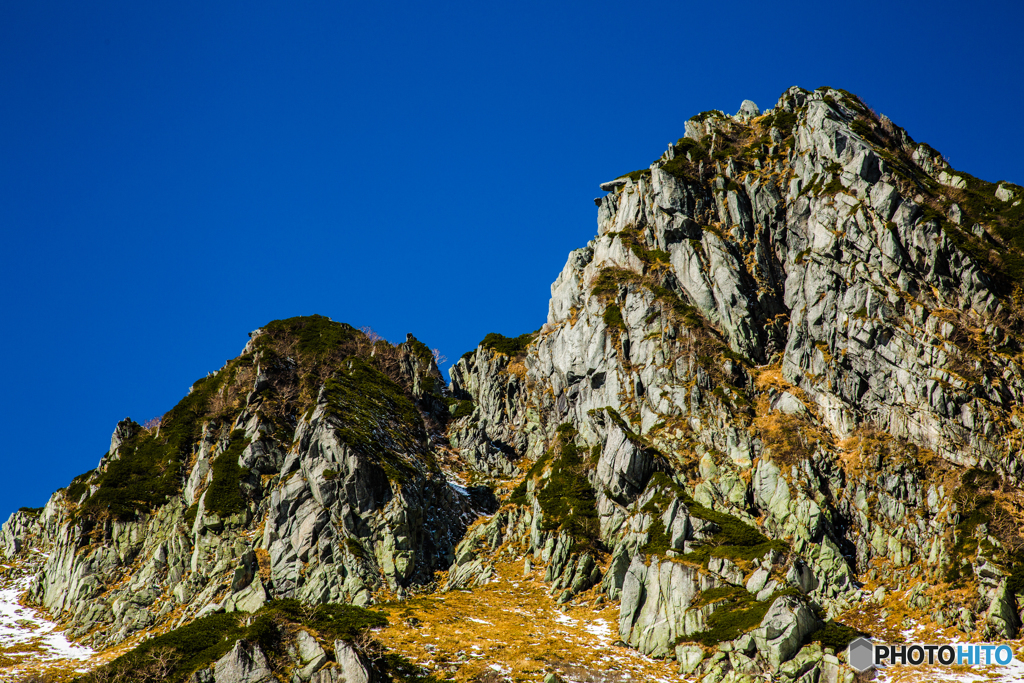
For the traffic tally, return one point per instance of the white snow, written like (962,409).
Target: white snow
(599,628)
(564,619)
(23,625)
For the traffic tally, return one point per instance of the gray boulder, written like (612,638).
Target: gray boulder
(246,663)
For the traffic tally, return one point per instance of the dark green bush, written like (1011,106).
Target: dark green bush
(224,497)
(567,498)
(637,175)
(613,317)
(783,121)
(689,146)
(739,614)
(79,485)
(422,351)
(709,114)
(204,641)
(190,515)
(836,635)
(374,414)
(734,539)
(510,346)
(332,620)
(658,542)
(459,408)
(607,283)
(316,335)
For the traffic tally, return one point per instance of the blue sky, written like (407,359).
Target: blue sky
(174,175)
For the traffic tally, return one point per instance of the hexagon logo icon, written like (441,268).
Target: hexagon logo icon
(861,655)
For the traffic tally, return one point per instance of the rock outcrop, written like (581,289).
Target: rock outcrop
(308,472)
(788,365)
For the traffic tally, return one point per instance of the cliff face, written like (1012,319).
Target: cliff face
(302,469)
(782,382)
(810,323)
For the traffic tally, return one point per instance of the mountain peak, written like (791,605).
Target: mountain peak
(775,404)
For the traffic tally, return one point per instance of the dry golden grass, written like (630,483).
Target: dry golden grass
(770,377)
(885,622)
(512,623)
(263,560)
(518,368)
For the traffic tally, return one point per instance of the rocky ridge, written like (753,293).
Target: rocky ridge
(785,370)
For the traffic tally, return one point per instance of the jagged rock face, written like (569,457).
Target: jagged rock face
(796,319)
(869,298)
(495,436)
(305,481)
(758,386)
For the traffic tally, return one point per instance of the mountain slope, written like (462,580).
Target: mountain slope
(786,373)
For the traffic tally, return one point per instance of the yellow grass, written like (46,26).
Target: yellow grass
(513,623)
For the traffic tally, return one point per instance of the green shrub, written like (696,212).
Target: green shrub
(567,498)
(735,539)
(649,255)
(190,515)
(613,317)
(374,415)
(79,485)
(836,635)
(224,497)
(739,614)
(833,187)
(607,283)
(332,620)
(783,121)
(683,167)
(459,408)
(316,335)
(691,147)
(709,114)
(637,175)
(198,644)
(509,346)
(658,542)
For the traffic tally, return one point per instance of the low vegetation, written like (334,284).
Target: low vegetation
(176,655)
(613,317)
(736,612)
(978,504)
(374,415)
(224,496)
(459,408)
(509,346)
(566,497)
(836,635)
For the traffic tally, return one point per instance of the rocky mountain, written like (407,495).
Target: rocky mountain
(775,403)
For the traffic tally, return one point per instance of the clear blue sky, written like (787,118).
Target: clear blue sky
(174,175)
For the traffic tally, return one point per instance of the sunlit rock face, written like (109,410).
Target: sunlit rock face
(775,400)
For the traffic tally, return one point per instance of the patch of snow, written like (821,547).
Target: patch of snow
(564,619)
(599,628)
(20,625)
